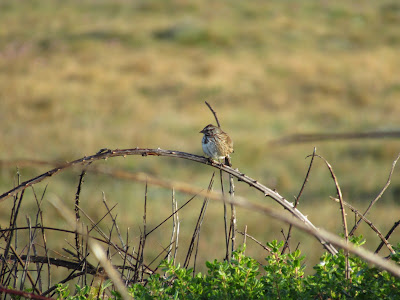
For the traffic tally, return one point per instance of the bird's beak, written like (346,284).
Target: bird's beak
(202,131)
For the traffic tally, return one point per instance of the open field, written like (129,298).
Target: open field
(78,76)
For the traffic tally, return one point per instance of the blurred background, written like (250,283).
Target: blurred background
(78,76)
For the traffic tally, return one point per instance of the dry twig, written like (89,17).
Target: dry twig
(353,209)
(387,236)
(286,245)
(344,221)
(378,197)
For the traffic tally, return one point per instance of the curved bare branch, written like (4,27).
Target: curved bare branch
(107,153)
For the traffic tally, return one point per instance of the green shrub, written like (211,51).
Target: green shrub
(282,277)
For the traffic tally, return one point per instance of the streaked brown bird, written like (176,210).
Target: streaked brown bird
(216,143)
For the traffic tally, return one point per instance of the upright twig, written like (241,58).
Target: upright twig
(126,259)
(178,226)
(378,197)
(344,221)
(233,209)
(244,238)
(97,250)
(196,233)
(28,274)
(144,229)
(137,272)
(286,245)
(229,235)
(225,219)
(114,221)
(76,209)
(222,191)
(173,233)
(40,220)
(28,253)
(95,226)
(13,224)
(214,113)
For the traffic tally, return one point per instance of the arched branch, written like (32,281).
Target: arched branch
(107,153)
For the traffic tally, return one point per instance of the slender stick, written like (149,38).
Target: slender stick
(97,250)
(173,232)
(144,229)
(387,236)
(77,216)
(357,213)
(245,237)
(196,233)
(232,224)
(214,113)
(344,221)
(286,245)
(378,197)
(255,240)
(225,220)
(233,209)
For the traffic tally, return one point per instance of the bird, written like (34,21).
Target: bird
(216,143)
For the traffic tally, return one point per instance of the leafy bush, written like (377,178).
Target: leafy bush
(282,277)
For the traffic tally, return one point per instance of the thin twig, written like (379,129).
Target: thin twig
(144,230)
(245,236)
(178,226)
(232,225)
(76,209)
(344,221)
(368,256)
(286,245)
(117,248)
(233,209)
(357,213)
(171,215)
(204,208)
(46,250)
(27,262)
(28,274)
(13,223)
(214,113)
(96,227)
(378,197)
(96,250)
(114,220)
(197,228)
(225,219)
(255,240)
(173,232)
(137,271)
(387,236)
(232,229)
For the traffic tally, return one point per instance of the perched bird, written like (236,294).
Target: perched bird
(216,143)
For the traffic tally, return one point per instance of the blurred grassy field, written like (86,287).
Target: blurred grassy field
(78,76)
